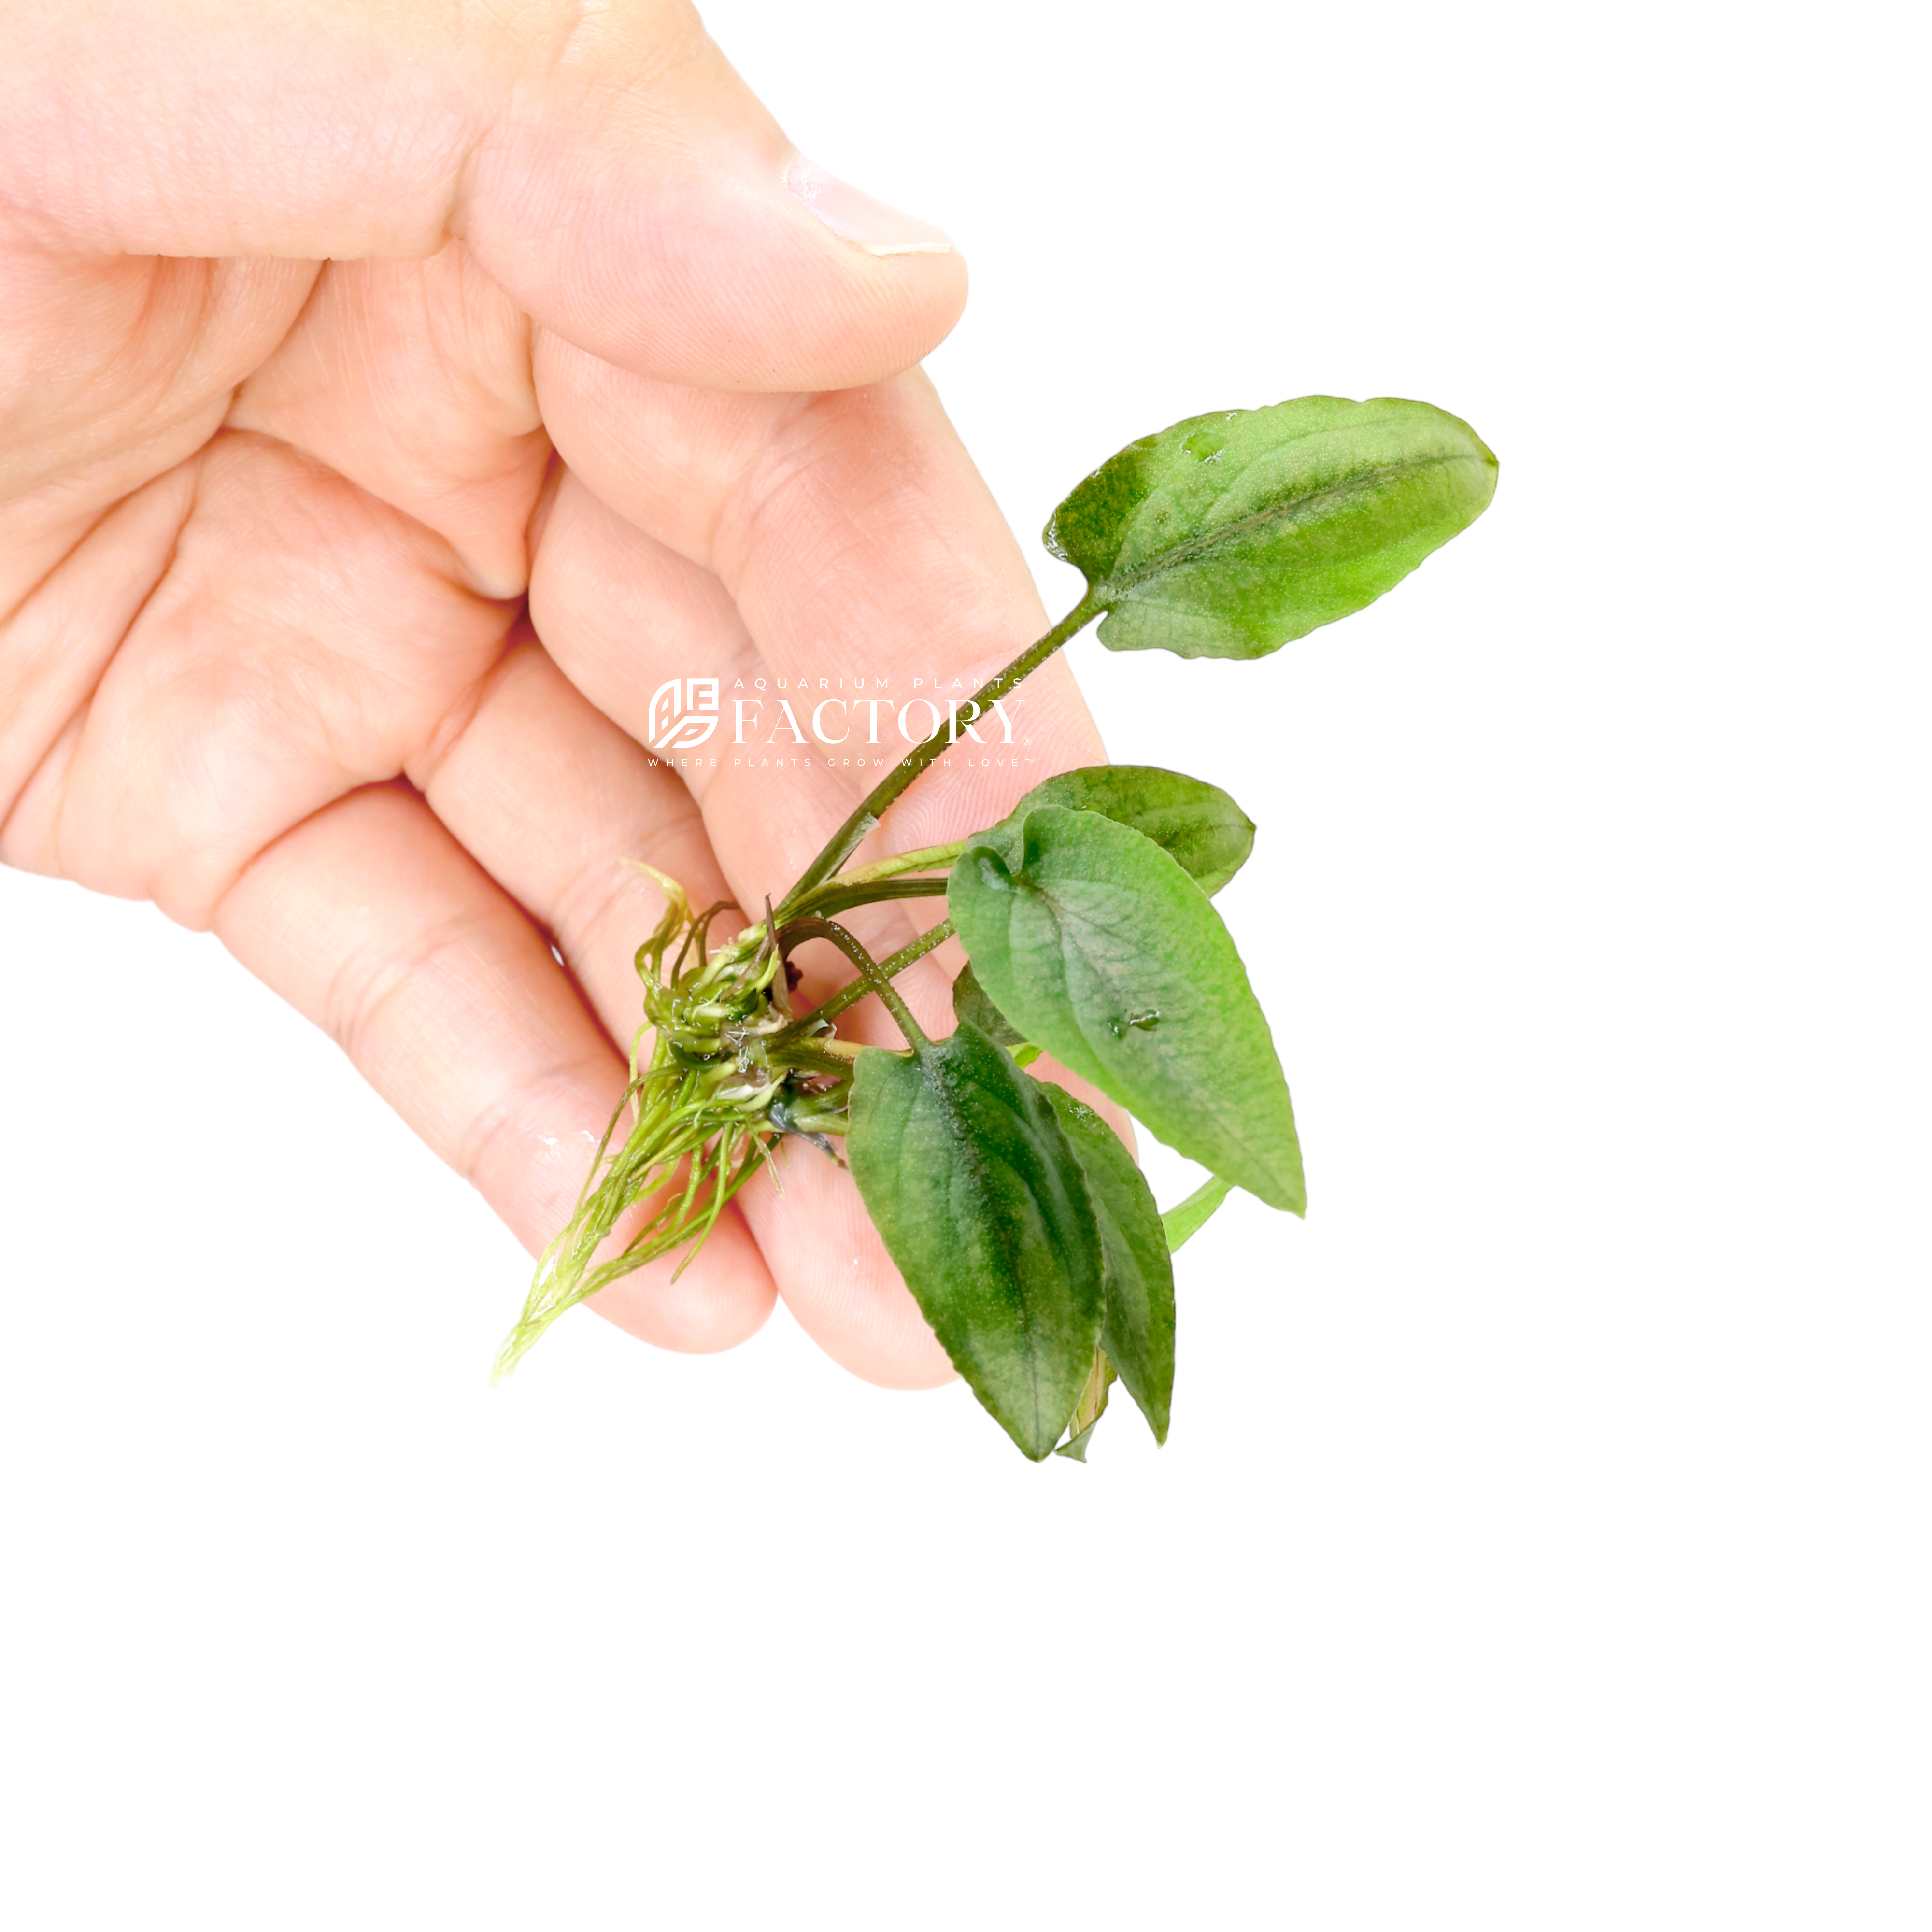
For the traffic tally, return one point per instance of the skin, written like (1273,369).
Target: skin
(392,398)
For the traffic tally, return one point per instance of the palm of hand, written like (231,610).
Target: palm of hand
(333,599)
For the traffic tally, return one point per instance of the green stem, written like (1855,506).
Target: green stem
(848,838)
(927,859)
(850,996)
(841,894)
(795,932)
(934,936)
(808,1056)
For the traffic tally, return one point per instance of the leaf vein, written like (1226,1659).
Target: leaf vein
(1291,511)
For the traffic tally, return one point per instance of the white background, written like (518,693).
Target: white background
(1542,1540)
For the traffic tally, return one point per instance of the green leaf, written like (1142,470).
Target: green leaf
(1100,948)
(1198,824)
(967,1175)
(1230,534)
(1088,1410)
(1138,1336)
(1186,1219)
(970,1002)
(971,1007)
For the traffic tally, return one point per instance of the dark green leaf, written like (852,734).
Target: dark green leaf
(967,1177)
(1229,534)
(971,1005)
(1186,1219)
(1138,1336)
(1100,948)
(1198,824)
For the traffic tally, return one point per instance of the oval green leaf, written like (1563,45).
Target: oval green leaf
(1229,535)
(981,1204)
(1099,948)
(1198,824)
(1139,1333)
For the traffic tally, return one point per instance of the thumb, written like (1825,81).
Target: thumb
(678,233)
(605,165)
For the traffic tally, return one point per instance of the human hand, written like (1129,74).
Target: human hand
(391,400)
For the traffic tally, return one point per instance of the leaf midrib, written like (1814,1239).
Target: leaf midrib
(1071,950)
(978,1168)
(1289,511)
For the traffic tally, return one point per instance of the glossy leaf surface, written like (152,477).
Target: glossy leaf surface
(967,1176)
(1138,1334)
(1198,824)
(1100,948)
(1229,535)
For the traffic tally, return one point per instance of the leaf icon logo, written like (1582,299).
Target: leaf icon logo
(683,713)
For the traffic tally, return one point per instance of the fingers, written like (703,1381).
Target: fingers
(835,1274)
(305,640)
(641,201)
(550,796)
(849,533)
(111,373)
(736,537)
(55,647)
(607,166)
(371,922)
(412,380)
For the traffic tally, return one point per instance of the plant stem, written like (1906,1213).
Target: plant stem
(847,838)
(843,1050)
(934,936)
(850,996)
(784,1054)
(927,859)
(840,895)
(795,932)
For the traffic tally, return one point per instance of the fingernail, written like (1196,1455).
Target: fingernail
(850,211)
